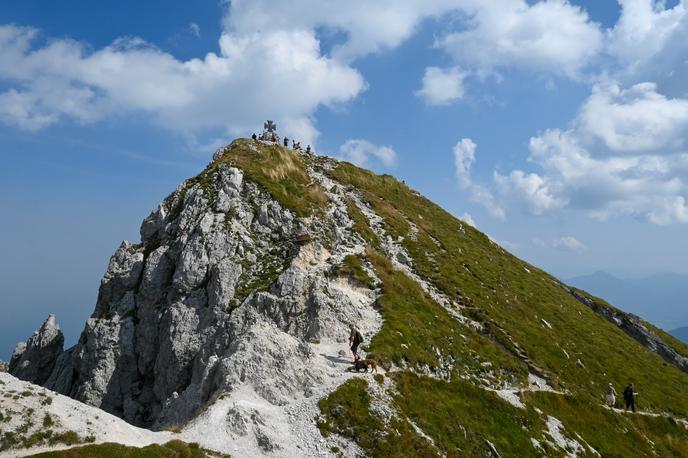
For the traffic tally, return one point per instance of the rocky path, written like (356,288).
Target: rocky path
(681,421)
(287,430)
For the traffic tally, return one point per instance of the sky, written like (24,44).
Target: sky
(559,128)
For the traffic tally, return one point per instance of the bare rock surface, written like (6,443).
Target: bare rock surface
(37,410)
(35,359)
(224,323)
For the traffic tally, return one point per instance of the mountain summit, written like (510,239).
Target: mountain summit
(228,324)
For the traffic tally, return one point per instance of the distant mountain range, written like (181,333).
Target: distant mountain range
(681,333)
(661,299)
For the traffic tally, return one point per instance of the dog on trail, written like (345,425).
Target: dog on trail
(365,364)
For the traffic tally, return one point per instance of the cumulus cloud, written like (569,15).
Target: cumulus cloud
(623,156)
(635,120)
(567,243)
(360,152)
(279,74)
(441,87)
(270,62)
(534,190)
(644,31)
(551,36)
(464,157)
(368,27)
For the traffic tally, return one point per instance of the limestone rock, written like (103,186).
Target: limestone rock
(34,360)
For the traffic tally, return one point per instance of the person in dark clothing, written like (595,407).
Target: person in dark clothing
(629,396)
(254,136)
(308,149)
(286,142)
(355,339)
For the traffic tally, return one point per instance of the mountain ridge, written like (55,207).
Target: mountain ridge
(680,333)
(658,298)
(232,309)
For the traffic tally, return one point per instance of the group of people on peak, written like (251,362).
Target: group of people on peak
(629,395)
(269,135)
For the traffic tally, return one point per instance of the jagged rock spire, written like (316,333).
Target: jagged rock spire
(34,359)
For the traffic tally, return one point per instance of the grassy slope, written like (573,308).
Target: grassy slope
(508,295)
(280,171)
(347,412)
(172,449)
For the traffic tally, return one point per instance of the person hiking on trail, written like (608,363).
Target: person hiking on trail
(611,395)
(355,339)
(629,396)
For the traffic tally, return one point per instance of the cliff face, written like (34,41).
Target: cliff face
(230,320)
(226,287)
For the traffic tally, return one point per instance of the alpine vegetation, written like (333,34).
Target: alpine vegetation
(235,321)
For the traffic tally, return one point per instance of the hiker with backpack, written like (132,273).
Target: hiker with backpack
(629,396)
(355,339)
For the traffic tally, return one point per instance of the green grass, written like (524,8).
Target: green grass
(352,268)
(460,417)
(280,171)
(511,297)
(172,449)
(416,328)
(613,434)
(361,225)
(262,274)
(347,412)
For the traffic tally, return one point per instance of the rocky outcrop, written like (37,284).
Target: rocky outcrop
(635,327)
(35,359)
(223,291)
(3,366)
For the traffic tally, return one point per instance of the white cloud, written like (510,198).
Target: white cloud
(280,75)
(368,27)
(532,188)
(441,87)
(567,243)
(551,36)
(464,157)
(648,43)
(270,62)
(634,120)
(468,219)
(360,152)
(195,29)
(645,29)
(624,155)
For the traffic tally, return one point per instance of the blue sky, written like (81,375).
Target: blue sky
(558,128)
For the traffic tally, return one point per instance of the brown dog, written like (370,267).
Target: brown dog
(364,364)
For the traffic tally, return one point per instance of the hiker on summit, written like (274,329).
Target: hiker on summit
(286,142)
(629,396)
(254,137)
(611,395)
(355,339)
